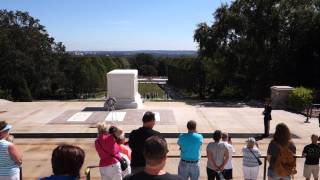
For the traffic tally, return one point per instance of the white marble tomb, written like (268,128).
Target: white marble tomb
(122,84)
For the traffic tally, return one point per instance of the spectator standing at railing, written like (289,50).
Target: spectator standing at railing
(190,146)
(312,154)
(109,152)
(250,162)
(10,157)
(155,154)
(227,172)
(281,150)
(124,148)
(137,139)
(218,157)
(66,161)
(125,152)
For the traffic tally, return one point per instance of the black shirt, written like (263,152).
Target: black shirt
(136,142)
(145,176)
(267,112)
(312,152)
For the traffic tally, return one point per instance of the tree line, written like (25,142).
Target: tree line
(34,66)
(250,46)
(255,44)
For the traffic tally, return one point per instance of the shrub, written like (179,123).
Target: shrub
(299,98)
(230,92)
(4,95)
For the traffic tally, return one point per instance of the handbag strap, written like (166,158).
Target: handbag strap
(254,155)
(112,155)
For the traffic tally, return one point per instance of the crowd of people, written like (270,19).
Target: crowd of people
(144,155)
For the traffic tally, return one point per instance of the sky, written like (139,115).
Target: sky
(120,25)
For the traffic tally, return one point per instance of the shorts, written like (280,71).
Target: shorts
(251,172)
(311,169)
(273,176)
(227,173)
(12,177)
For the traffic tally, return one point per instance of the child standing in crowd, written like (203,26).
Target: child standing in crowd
(125,152)
(227,172)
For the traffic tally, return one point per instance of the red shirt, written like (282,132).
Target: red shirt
(106,145)
(125,150)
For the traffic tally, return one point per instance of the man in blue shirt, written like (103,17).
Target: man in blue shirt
(190,146)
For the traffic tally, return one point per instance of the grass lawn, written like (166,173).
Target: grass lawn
(145,89)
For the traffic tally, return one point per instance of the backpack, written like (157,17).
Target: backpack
(285,164)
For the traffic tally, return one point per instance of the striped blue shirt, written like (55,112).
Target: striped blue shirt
(8,166)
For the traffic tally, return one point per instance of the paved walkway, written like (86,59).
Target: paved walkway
(36,117)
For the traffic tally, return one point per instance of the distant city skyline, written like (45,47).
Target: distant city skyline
(126,25)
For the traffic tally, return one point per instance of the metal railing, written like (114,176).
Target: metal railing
(20,175)
(88,169)
(94,135)
(310,112)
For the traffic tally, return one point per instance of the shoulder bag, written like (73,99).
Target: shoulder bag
(259,161)
(123,162)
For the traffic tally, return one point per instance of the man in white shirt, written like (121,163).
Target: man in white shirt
(227,172)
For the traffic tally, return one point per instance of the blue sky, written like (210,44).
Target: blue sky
(120,24)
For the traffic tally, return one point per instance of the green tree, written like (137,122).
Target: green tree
(27,50)
(145,64)
(253,45)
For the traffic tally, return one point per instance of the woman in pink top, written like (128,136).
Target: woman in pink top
(107,148)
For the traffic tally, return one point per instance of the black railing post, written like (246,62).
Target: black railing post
(265,168)
(20,172)
(88,174)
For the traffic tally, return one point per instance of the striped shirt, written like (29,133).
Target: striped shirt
(248,158)
(8,166)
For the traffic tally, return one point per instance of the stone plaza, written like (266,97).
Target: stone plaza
(240,120)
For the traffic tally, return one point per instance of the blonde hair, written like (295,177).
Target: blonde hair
(102,127)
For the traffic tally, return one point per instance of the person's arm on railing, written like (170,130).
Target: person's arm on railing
(15,154)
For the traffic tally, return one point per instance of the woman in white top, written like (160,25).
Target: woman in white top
(10,158)
(250,163)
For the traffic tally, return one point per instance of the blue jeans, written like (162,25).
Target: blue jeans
(273,176)
(187,170)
